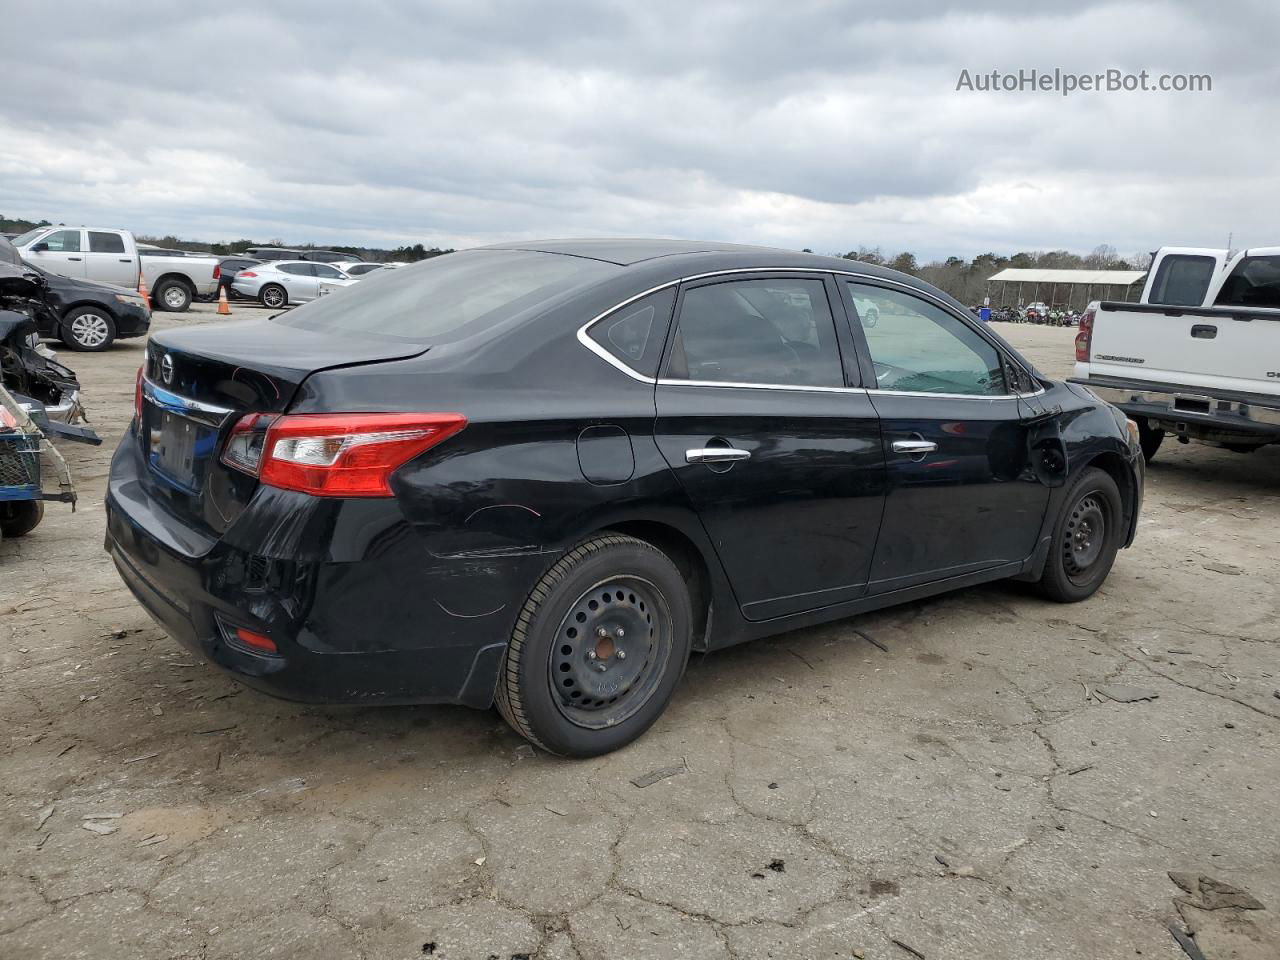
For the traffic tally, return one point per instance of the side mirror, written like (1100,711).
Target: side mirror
(40,247)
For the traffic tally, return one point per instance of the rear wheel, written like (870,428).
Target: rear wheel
(20,517)
(598,648)
(89,329)
(1086,538)
(273,295)
(172,295)
(1149,438)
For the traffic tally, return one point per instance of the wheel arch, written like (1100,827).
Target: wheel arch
(77,304)
(688,558)
(1117,468)
(181,278)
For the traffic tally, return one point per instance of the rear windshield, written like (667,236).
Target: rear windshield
(1255,282)
(1182,280)
(431,300)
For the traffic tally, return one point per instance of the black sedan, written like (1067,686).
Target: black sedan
(89,316)
(542,474)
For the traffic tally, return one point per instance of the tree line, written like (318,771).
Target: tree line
(966,280)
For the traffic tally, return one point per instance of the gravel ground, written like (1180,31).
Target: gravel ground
(954,795)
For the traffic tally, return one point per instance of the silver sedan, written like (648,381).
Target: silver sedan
(279,283)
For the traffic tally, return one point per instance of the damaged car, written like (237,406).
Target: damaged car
(540,475)
(39,400)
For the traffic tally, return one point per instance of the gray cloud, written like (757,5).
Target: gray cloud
(804,124)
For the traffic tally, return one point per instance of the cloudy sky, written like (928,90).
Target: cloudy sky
(797,123)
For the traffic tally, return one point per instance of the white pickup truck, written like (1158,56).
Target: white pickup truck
(1198,356)
(112,256)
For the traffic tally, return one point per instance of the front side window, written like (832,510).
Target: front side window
(917,347)
(297,269)
(776,332)
(325,271)
(64,241)
(1182,280)
(1255,282)
(105,242)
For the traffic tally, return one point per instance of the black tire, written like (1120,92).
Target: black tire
(272,291)
(1149,438)
(573,691)
(88,329)
(1086,537)
(20,517)
(173,296)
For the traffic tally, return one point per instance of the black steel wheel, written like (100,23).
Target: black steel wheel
(598,648)
(1086,538)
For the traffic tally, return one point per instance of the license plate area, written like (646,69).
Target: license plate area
(179,448)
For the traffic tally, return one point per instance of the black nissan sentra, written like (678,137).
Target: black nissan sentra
(541,474)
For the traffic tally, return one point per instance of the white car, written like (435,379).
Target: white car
(279,283)
(358,268)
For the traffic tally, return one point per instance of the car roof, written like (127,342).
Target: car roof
(664,260)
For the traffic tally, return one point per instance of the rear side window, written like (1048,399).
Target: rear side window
(105,242)
(297,269)
(635,333)
(1255,282)
(439,297)
(326,271)
(1182,280)
(768,332)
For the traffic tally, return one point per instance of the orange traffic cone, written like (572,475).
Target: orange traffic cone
(224,308)
(142,289)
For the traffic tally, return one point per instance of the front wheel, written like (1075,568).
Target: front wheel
(90,329)
(1086,538)
(598,648)
(20,517)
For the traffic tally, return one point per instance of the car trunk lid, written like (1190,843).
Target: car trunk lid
(199,382)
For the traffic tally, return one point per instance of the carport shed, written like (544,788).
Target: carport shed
(1068,289)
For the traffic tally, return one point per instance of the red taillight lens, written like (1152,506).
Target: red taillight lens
(137,395)
(245,275)
(335,454)
(1084,338)
(217,271)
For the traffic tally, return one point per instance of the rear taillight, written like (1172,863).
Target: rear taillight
(245,275)
(137,395)
(334,454)
(217,271)
(1084,338)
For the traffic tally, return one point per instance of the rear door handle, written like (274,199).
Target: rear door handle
(125,260)
(75,258)
(1204,331)
(914,447)
(716,455)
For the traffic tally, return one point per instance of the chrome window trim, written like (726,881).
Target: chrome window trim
(737,385)
(609,358)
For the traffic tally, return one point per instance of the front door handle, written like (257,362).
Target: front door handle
(915,448)
(75,258)
(716,455)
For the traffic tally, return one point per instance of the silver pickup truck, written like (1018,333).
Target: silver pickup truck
(112,256)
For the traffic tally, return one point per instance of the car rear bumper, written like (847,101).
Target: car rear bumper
(1193,410)
(396,625)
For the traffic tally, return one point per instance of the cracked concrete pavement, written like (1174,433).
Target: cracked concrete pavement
(958,794)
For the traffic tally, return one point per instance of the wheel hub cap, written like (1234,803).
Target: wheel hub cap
(1085,535)
(89,329)
(610,652)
